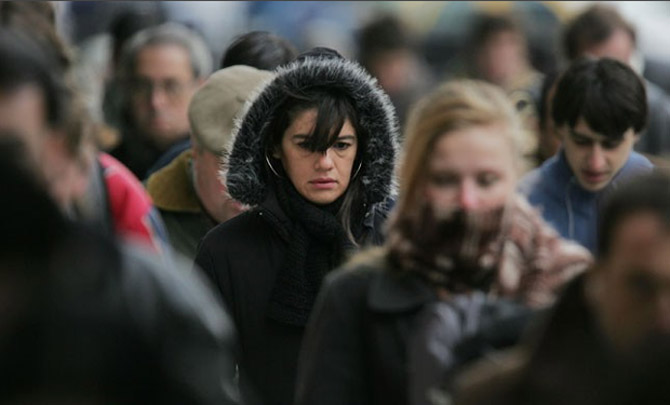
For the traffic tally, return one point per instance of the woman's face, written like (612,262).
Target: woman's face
(471,169)
(320,177)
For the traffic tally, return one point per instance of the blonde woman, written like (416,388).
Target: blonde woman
(463,252)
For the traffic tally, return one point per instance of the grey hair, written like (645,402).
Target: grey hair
(168,33)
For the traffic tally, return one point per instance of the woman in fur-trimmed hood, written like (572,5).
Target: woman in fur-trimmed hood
(314,154)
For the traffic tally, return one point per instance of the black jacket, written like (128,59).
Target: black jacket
(568,360)
(244,255)
(358,342)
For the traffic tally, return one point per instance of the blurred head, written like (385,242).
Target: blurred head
(629,287)
(599,110)
(462,150)
(126,24)
(500,49)
(600,31)
(162,67)
(385,50)
(36,105)
(38,18)
(212,114)
(259,49)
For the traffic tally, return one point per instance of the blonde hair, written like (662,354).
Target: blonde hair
(452,106)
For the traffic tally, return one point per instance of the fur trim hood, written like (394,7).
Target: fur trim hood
(247,171)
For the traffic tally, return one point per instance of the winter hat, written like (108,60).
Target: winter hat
(218,102)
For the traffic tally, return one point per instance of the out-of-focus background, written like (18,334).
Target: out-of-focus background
(438,27)
(438,32)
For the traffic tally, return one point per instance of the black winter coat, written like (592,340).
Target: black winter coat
(244,255)
(356,348)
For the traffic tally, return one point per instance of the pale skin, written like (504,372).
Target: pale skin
(23,111)
(162,113)
(210,188)
(319,177)
(619,46)
(594,158)
(472,169)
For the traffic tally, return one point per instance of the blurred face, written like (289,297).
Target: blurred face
(23,111)
(618,46)
(471,169)
(393,70)
(630,288)
(594,158)
(320,177)
(502,58)
(211,191)
(161,89)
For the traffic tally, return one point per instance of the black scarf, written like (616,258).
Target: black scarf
(317,246)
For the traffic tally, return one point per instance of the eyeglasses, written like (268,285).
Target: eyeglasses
(144,88)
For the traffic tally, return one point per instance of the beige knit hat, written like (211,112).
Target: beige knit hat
(219,101)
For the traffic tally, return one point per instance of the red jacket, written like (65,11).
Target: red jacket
(132,213)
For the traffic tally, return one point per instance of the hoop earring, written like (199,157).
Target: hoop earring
(358,169)
(267,160)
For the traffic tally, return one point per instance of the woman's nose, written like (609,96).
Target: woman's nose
(324,160)
(467,196)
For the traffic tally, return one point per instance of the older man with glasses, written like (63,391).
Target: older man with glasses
(162,68)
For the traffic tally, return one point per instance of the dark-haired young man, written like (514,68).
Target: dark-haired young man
(602,32)
(599,110)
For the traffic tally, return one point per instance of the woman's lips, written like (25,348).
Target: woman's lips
(323,184)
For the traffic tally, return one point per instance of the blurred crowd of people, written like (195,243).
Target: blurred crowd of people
(285,221)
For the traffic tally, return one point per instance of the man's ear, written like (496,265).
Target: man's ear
(636,137)
(276,154)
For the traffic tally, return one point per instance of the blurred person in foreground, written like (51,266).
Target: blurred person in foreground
(86,319)
(37,102)
(161,68)
(600,31)
(466,257)
(609,333)
(599,110)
